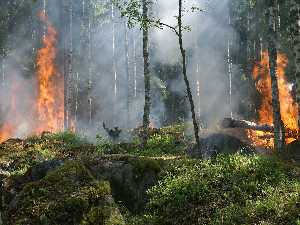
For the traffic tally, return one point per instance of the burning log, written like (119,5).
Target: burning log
(114,133)
(234,123)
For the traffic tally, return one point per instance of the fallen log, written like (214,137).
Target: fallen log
(235,123)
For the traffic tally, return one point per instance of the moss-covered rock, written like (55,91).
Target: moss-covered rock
(68,195)
(129,176)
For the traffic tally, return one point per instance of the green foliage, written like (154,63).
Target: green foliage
(70,139)
(142,165)
(234,189)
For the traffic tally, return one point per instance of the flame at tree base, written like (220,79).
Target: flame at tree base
(288,107)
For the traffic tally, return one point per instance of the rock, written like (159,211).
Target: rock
(129,178)
(216,143)
(67,195)
(40,170)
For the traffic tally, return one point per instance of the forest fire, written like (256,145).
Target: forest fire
(50,100)
(46,110)
(288,107)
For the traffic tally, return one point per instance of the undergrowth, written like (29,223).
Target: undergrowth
(228,190)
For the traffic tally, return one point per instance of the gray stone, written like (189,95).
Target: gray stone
(40,170)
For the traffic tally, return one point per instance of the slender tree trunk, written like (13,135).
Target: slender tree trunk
(229,65)
(134,72)
(295,30)
(64,62)
(89,67)
(198,78)
(279,133)
(128,74)
(146,76)
(196,129)
(114,63)
(69,91)
(77,72)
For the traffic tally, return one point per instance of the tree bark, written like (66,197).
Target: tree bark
(196,129)
(65,64)
(235,123)
(128,74)
(146,76)
(198,78)
(114,63)
(279,133)
(69,91)
(89,68)
(295,30)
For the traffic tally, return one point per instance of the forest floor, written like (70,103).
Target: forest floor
(219,190)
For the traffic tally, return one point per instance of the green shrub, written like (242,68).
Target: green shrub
(228,190)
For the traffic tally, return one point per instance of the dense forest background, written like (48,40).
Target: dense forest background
(223,45)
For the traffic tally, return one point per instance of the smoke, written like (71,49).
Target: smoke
(209,32)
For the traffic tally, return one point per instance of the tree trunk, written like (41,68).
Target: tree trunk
(234,123)
(128,75)
(69,91)
(65,64)
(196,129)
(229,64)
(114,63)
(89,68)
(134,73)
(279,133)
(295,30)
(198,78)
(146,76)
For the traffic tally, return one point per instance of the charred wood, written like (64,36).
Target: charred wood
(112,132)
(234,123)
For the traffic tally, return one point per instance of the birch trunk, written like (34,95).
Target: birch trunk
(114,63)
(279,133)
(146,76)
(134,72)
(77,72)
(69,91)
(198,78)
(295,30)
(65,64)
(229,65)
(89,67)
(128,75)
(196,129)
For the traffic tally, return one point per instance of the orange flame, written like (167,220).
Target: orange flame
(46,111)
(50,99)
(288,107)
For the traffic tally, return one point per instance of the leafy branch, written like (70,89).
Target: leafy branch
(132,11)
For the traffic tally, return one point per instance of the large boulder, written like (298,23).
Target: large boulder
(67,195)
(129,177)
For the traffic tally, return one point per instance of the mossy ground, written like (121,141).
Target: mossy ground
(69,195)
(228,190)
